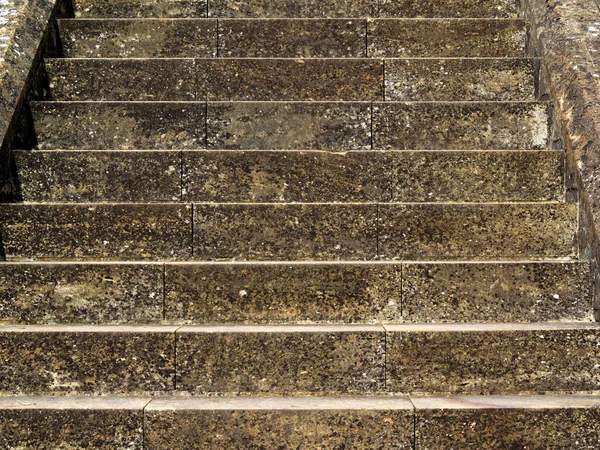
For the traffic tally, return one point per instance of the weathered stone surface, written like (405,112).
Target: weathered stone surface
(287,176)
(96,232)
(479,232)
(280,293)
(496,292)
(99,176)
(495,422)
(139,8)
(284,358)
(492,358)
(277,423)
(72,422)
(122,79)
(293,38)
(460,79)
(292,8)
(448,8)
(285,232)
(138,38)
(477,176)
(461,126)
(86,359)
(285,125)
(35,293)
(119,125)
(446,38)
(287,79)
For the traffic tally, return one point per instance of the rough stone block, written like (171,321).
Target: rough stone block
(285,231)
(448,8)
(37,293)
(139,8)
(292,8)
(96,231)
(281,359)
(283,293)
(86,359)
(492,358)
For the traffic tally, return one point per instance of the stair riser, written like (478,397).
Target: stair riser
(293,38)
(137,8)
(291,80)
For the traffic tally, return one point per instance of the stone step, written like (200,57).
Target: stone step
(268,79)
(287,8)
(96,231)
(385,231)
(289,292)
(292,38)
(492,358)
(288,176)
(470,422)
(334,126)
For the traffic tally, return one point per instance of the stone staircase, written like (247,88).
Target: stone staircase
(268,225)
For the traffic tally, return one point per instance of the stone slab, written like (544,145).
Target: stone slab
(38,293)
(285,232)
(96,231)
(461,126)
(138,38)
(293,38)
(283,293)
(492,358)
(290,79)
(139,8)
(98,176)
(467,79)
(287,176)
(82,423)
(477,232)
(471,38)
(448,8)
(86,359)
(281,359)
(536,422)
(119,125)
(289,125)
(291,8)
(497,292)
(276,423)
(122,79)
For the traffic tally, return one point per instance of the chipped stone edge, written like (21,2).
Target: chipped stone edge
(562,32)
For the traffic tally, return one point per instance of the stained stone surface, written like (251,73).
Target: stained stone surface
(281,359)
(518,292)
(446,38)
(286,79)
(86,359)
(96,231)
(139,8)
(492,358)
(292,8)
(460,79)
(138,38)
(285,232)
(277,423)
(119,125)
(122,79)
(448,8)
(293,38)
(82,423)
(557,422)
(80,293)
(479,232)
(287,176)
(284,125)
(461,126)
(280,293)
(99,176)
